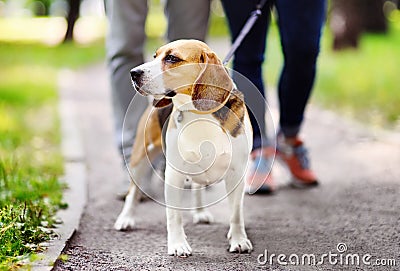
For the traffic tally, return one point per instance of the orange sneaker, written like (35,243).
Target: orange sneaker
(259,179)
(294,155)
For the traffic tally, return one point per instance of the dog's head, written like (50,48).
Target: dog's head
(184,67)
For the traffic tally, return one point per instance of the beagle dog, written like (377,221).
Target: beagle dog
(208,138)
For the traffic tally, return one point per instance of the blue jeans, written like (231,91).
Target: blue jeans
(300,23)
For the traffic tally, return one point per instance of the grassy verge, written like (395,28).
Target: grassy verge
(30,158)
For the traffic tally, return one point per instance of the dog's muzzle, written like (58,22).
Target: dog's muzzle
(137,77)
(136,74)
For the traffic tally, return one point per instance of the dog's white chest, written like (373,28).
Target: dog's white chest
(199,148)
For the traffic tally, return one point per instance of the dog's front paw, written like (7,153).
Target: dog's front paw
(238,242)
(202,217)
(124,222)
(240,245)
(180,248)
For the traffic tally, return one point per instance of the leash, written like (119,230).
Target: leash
(254,15)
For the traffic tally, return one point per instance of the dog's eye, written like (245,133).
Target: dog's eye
(155,55)
(172,59)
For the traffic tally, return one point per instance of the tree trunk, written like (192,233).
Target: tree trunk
(345,23)
(73,15)
(373,17)
(349,18)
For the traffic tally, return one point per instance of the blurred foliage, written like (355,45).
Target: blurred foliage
(40,7)
(363,83)
(52,57)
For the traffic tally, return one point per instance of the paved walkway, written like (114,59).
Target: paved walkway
(357,203)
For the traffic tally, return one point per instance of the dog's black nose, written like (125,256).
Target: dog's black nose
(136,74)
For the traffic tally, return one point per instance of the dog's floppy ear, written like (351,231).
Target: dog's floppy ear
(212,87)
(161,103)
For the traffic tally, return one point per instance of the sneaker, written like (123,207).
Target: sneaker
(294,155)
(259,179)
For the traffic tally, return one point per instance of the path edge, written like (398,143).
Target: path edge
(75,177)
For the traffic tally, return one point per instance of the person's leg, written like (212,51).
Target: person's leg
(247,65)
(300,24)
(124,45)
(248,61)
(187,19)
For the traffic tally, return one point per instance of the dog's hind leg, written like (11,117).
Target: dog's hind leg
(148,134)
(200,215)
(237,237)
(126,219)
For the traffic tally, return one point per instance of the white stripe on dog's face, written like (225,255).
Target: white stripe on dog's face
(150,78)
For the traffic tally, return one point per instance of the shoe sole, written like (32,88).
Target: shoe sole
(261,191)
(296,183)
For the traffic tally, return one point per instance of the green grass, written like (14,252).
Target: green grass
(30,159)
(28,202)
(363,82)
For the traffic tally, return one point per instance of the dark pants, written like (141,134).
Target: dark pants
(300,23)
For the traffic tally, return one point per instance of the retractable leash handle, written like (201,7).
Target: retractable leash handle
(254,15)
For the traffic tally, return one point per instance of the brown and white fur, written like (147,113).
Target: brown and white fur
(206,108)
